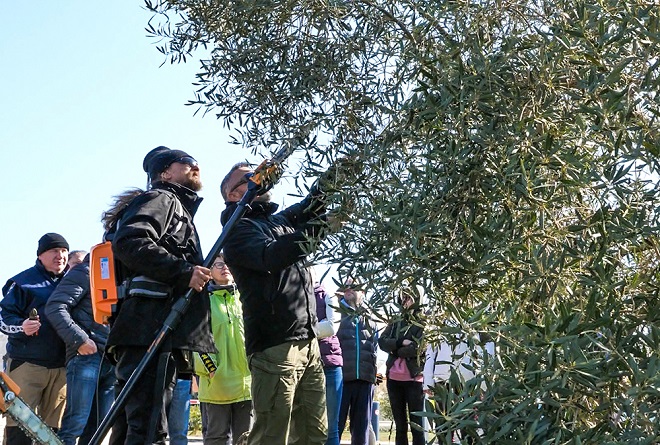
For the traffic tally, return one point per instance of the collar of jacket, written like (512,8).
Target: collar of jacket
(360,310)
(228,293)
(231,288)
(189,199)
(256,209)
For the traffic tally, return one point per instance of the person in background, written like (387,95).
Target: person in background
(451,363)
(89,374)
(401,340)
(332,359)
(76,257)
(224,378)
(35,353)
(358,337)
(178,411)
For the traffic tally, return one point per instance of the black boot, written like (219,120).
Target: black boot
(15,436)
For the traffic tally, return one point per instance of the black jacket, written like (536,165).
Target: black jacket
(145,248)
(265,253)
(69,310)
(391,341)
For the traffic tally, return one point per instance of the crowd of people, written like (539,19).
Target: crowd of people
(277,360)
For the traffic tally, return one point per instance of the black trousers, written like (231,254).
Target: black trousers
(405,398)
(133,423)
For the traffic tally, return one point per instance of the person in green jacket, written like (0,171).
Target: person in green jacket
(224,377)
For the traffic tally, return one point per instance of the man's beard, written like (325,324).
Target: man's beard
(194,184)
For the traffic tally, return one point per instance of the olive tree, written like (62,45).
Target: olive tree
(503,154)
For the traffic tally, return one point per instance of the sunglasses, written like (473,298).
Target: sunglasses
(188,160)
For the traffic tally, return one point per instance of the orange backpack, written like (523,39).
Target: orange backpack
(106,283)
(104,286)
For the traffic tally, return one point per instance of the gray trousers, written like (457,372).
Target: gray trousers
(226,421)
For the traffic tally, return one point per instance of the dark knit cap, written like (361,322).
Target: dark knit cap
(51,241)
(158,159)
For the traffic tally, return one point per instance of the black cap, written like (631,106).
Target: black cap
(158,159)
(51,241)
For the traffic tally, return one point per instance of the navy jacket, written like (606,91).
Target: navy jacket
(69,309)
(31,289)
(265,252)
(358,337)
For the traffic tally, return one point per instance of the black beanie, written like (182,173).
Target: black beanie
(158,159)
(51,241)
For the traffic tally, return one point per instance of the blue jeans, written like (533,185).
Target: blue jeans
(334,384)
(89,394)
(179,413)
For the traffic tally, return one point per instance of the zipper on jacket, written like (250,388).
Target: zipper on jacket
(227,309)
(357,349)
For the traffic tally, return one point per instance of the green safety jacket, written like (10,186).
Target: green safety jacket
(231,381)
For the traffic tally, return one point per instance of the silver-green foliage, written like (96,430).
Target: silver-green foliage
(504,155)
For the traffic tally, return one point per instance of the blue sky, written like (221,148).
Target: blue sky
(84,98)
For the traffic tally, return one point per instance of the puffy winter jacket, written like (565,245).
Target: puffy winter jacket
(155,240)
(29,290)
(231,381)
(69,309)
(265,253)
(359,341)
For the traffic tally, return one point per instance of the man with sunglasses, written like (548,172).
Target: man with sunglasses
(157,248)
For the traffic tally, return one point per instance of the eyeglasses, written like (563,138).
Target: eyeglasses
(218,265)
(188,160)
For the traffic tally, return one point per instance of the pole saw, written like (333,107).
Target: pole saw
(262,179)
